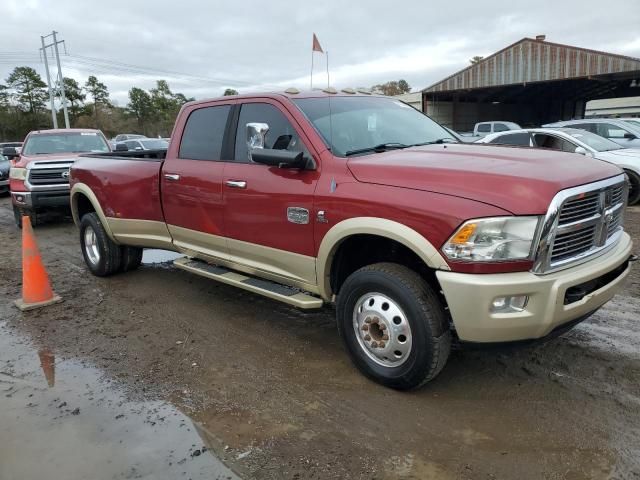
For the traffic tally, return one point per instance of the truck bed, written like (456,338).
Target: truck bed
(153,155)
(128,190)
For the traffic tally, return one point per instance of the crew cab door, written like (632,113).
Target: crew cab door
(268,211)
(191,180)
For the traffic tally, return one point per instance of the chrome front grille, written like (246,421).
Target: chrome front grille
(581,222)
(49,176)
(580,208)
(573,242)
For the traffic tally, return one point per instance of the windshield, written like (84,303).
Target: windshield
(75,142)
(363,125)
(598,143)
(154,144)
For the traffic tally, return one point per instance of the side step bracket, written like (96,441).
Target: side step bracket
(273,290)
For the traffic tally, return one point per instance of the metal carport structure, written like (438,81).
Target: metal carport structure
(531,82)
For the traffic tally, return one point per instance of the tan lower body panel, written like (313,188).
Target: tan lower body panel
(267,289)
(141,233)
(283,264)
(192,241)
(469,297)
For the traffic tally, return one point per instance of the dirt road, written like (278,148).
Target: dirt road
(272,394)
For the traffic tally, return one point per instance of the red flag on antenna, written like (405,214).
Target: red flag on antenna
(316,45)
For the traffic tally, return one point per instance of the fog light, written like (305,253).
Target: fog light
(515,303)
(19,198)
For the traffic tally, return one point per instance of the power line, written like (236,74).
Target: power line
(106,66)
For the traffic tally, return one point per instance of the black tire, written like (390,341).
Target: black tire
(106,259)
(131,258)
(634,187)
(425,314)
(19,212)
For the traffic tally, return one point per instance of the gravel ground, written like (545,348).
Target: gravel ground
(273,394)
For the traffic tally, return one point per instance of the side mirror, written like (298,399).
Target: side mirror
(138,148)
(581,150)
(121,147)
(10,152)
(278,158)
(630,136)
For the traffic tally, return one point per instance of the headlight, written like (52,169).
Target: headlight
(18,173)
(493,239)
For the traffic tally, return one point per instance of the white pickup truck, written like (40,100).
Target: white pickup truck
(485,128)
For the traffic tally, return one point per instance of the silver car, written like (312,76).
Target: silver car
(623,132)
(573,140)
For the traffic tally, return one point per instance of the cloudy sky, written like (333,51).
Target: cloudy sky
(202,47)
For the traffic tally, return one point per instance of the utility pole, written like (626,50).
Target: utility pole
(46,67)
(64,98)
(60,78)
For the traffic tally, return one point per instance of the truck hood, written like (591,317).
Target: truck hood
(67,157)
(520,180)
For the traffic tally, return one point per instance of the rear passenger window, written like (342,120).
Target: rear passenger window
(500,127)
(204,132)
(484,128)
(280,136)
(521,139)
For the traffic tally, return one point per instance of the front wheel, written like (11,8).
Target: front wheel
(393,326)
(101,254)
(634,187)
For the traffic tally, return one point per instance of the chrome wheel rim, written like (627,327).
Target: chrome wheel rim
(91,246)
(382,329)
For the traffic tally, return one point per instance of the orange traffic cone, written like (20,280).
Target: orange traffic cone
(36,290)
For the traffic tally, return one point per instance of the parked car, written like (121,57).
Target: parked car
(126,136)
(573,140)
(39,181)
(485,128)
(622,132)
(145,144)
(5,165)
(16,145)
(633,121)
(311,198)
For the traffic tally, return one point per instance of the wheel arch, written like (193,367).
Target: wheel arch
(376,227)
(83,200)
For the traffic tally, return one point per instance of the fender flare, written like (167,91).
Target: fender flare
(81,188)
(381,227)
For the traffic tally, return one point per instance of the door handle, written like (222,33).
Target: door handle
(236,183)
(172,176)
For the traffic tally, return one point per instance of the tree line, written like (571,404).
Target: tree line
(24,106)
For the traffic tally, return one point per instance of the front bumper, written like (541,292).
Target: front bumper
(469,297)
(42,199)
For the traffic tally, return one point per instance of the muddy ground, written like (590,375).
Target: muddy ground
(272,394)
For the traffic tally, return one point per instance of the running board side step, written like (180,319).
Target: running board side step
(273,290)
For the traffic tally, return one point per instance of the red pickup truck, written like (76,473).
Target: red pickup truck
(39,179)
(320,197)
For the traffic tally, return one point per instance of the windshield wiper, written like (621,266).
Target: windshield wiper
(435,142)
(383,147)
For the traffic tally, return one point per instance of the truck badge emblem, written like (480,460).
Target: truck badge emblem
(298,215)
(65,174)
(321,218)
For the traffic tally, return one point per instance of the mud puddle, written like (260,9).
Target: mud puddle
(152,256)
(63,419)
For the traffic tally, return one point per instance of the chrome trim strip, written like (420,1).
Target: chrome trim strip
(547,234)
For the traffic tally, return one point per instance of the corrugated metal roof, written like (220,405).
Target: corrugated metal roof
(530,60)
